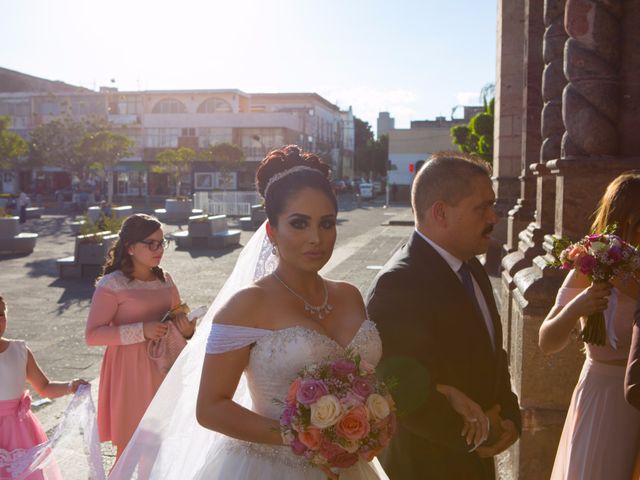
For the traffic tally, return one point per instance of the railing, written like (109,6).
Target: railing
(234,204)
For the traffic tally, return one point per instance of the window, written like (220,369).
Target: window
(215,105)
(169,105)
(213,136)
(162,137)
(188,132)
(204,181)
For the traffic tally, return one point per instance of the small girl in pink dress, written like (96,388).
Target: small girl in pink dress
(19,427)
(130,299)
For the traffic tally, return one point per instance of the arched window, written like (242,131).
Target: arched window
(215,105)
(169,105)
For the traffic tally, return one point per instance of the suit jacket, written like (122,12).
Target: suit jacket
(632,377)
(432,333)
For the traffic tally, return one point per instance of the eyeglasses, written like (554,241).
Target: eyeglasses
(154,245)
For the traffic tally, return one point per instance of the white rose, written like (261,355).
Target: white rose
(378,406)
(325,412)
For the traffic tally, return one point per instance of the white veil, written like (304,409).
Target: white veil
(169,443)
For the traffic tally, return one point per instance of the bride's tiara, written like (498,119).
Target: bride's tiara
(284,173)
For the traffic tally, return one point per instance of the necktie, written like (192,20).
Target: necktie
(467,282)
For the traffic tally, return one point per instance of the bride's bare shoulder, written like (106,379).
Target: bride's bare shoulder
(244,308)
(345,293)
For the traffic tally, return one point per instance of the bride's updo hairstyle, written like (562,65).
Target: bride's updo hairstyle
(285,172)
(135,228)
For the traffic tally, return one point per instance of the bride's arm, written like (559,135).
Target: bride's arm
(216,409)
(221,374)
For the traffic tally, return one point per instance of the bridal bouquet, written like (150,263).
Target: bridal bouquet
(337,413)
(600,257)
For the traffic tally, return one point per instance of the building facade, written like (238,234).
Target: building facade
(158,120)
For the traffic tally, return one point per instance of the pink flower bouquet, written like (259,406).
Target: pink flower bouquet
(337,413)
(600,257)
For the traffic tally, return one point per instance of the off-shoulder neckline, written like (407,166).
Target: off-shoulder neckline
(273,332)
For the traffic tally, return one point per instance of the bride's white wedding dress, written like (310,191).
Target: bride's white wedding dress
(276,358)
(169,444)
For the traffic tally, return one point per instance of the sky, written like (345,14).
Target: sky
(415,59)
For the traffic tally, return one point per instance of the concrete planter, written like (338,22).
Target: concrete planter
(199,226)
(175,207)
(122,211)
(9,227)
(92,249)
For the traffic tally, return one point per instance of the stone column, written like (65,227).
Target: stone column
(553,82)
(522,213)
(507,137)
(588,162)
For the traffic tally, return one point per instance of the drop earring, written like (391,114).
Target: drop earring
(274,250)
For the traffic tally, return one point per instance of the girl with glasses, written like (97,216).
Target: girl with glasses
(130,299)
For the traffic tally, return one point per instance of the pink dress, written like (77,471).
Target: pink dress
(19,427)
(128,378)
(601,433)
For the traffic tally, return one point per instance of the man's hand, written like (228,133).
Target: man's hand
(503,434)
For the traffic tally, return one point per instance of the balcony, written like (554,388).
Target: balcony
(118,119)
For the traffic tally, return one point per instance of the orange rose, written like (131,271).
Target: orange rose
(354,425)
(576,252)
(311,438)
(293,391)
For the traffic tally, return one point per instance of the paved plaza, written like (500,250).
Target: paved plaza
(50,313)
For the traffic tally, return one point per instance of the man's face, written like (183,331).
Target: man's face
(469,223)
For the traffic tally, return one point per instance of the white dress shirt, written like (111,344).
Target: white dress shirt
(455,264)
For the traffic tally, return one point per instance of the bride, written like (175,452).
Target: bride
(274,316)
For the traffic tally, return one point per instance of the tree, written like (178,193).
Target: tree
(56,144)
(371,155)
(227,156)
(477,137)
(175,162)
(104,149)
(12,145)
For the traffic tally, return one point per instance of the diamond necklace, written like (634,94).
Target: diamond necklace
(321,310)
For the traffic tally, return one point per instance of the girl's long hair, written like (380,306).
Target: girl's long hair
(620,205)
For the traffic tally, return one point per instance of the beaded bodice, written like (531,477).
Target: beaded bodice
(277,357)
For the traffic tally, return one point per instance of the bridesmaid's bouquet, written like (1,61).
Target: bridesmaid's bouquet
(338,412)
(600,257)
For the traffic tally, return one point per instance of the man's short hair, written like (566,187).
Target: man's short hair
(447,177)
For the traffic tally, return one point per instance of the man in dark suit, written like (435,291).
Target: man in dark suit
(632,377)
(434,307)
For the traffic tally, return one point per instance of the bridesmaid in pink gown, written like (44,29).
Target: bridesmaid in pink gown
(130,299)
(19,427)
(601,434)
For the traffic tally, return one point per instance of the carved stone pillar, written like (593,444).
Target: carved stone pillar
(588,162)
(507,136)
(553,82)
(522,212)
(592,61)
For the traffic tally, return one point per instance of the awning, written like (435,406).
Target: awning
(130,167)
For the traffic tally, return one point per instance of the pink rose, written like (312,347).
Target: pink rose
(289,412)
(298,447)
(350,400)
(587,263)
(363,386)
(311,390)
(293,391)
(354,425)
(343,368)
(311,438)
